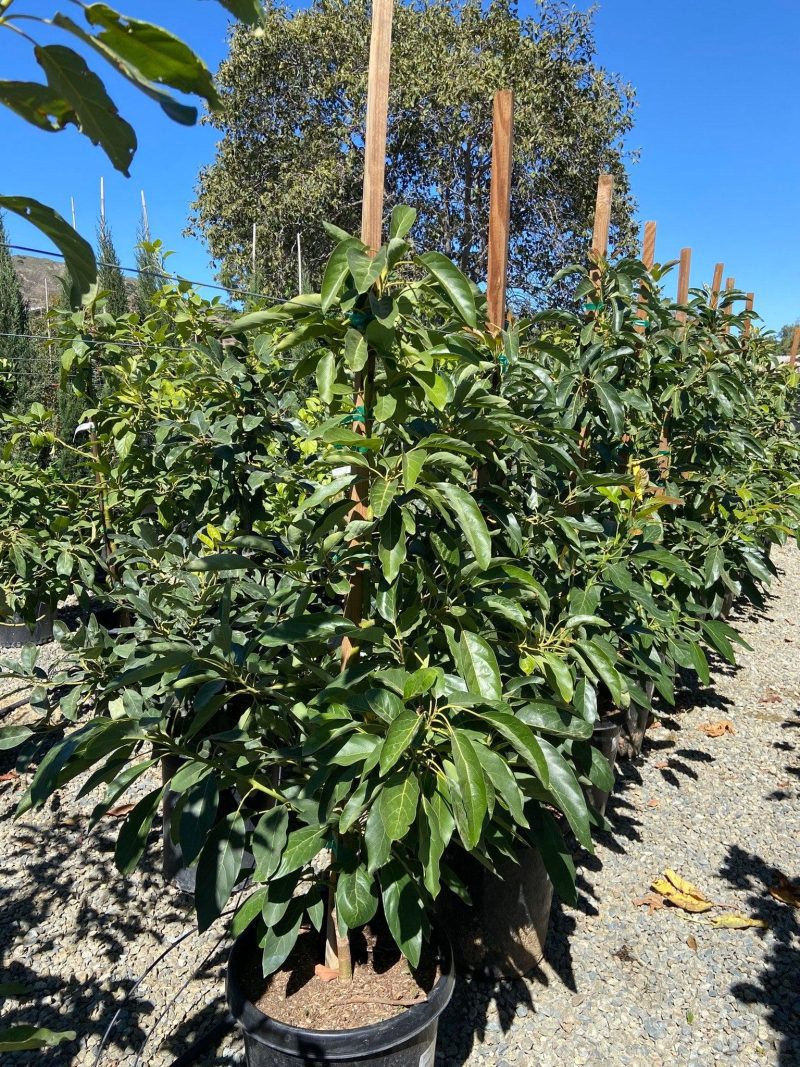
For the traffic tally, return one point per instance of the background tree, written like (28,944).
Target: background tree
(293,102)
(785,335)
(17,352)
(109,275)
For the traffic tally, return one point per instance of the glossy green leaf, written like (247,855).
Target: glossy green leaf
(218,868)
(471,521)
(456,287)
(478,666)
(268,842)
(356,897)
(78,255)
(471,796)
(133,834)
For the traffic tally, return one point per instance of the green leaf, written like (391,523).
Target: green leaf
(78,255)
(392,543)
(133,833)
(403,218)
(559,675)
(456,287)
(198,812)
(248,911)
(520,737)
(356,351)
(404,910)
(301,847)
(381,495)
(470,800)
(502,778)
(326,377)
(399,736)
(612,404)
(336,273)
(478,667)
(413,462)
(356,897)
(13,736)
(37,104)
(248,11)
(699,662)
(268,842)
(471,521)
(431,846)
(420,682)
(218,868)
(95,112)
(219,561)
(565,790)
(279,942)
(555,855)
(25,1037)
(325,492)
(391,817)
(316,627)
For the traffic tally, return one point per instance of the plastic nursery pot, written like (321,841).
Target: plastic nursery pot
(635,720)
(502,934)
(14,633)
(605,737)
(407,1040)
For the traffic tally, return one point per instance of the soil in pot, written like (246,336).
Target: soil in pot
(502,934)
(387,1017)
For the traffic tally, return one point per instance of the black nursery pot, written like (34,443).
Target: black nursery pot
(408,1040)
(16,633)
(605,736)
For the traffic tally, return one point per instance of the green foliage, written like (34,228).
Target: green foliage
(16,352)
(291,153)
(109,276)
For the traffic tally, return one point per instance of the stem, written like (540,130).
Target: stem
(337,945)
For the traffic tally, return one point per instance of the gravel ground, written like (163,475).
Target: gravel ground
(618,986)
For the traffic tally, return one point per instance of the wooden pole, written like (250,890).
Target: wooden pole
(730,283)
(649,245)
(72,208)
(102,202)
(602,214)
(253,244)
(500,207)
(749,307)
(684,269)
(795,347)
(716,285)
(299,265)
(145,219)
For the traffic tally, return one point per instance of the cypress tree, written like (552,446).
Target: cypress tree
(18,355)
(150,265)
(109,275)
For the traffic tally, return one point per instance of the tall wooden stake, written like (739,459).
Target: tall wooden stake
(500,207)
(145,219)
(602,214)
(749,307)
(253,256)
(730,283)
(649,245)
(795,347)
(716,285)
(299,265)
(684,268)
(72,208)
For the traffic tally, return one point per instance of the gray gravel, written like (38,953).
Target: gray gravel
(618,986)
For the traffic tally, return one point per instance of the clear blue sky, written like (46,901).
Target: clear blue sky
(716,124)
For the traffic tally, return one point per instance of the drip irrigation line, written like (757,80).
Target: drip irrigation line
(93,341)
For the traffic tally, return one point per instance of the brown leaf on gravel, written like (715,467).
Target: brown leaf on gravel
(624,953)
(771,698)
(327,974)
(717,729)
(654,725)
(681,893)
(736,922)
(120,811)
(782,785)
(661,764)
(692,943)
(652,901)
(787,892)
(9,776)
(653,803)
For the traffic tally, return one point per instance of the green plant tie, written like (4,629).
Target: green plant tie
(641,322)
(358,414)
(502,359)
(594,307)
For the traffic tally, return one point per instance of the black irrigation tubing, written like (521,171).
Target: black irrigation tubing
(94,341)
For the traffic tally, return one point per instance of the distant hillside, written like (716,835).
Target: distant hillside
(39,279)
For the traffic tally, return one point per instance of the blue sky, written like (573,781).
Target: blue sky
(716,127)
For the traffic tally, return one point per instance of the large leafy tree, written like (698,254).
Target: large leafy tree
(293,102)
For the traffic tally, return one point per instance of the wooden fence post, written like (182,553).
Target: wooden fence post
(500,208)
(684,269)
(749,307)
(716,284)
(795,347)
(602,220)
(371,228)
(649,245)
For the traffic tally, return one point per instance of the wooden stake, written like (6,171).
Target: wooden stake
(795,347)
(371,228)
(649,245)
(730,283)
(72,208)
(684,269)
(602,214)
(145,219)
(716,285)
(102,202)
(500,207)
(749,307)
(299,265)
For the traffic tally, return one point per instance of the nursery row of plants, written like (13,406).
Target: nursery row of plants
(550,524)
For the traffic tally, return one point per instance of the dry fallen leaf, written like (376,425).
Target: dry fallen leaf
(653,803)
(9,776)
(770,698)
(783,785)
(327,974)
(737,922)
(120,811)
(692,943)
(661,764)
(680,893)
(717,729)
(624,954)
(787,892)
(652,901)
(654,725)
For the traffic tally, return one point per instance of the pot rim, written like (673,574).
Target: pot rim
(359,1042)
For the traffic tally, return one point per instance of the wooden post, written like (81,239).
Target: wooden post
(795,347)
(716,285)
(371,227)
(684,268)
(649,245)
(749,307)
(500,207)
(730,283)
(602,214)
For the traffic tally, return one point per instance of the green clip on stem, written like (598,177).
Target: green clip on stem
(594,307)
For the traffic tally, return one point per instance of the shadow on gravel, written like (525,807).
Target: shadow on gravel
(777,985)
